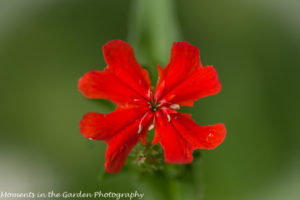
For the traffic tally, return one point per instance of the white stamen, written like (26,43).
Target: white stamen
(149,93)
(169,118)
(175,106)
(137,99)
(140,124)
(140,128)
(151,127)
(90,138)
(162,102)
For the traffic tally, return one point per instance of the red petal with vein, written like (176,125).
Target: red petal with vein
(184,60)
(104,126)
(121,144)
(176,149)
(203,82)
(121,61)
(106,85)
(203,137)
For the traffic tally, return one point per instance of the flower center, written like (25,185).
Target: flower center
(154,106)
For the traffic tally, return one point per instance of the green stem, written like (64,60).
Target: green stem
(152,30)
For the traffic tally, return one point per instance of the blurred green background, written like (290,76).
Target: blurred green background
(46,46)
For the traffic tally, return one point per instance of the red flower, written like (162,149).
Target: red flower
(124,82)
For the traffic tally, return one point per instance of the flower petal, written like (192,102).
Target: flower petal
(176,149)
(106,85)
(98,126)
(199,137)
(119,132)
(203,82)
(121,144)
(184,60)
(121,61)
(179,135)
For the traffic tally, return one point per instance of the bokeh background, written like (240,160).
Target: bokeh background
(45,46)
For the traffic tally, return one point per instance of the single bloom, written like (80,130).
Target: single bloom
(140,107)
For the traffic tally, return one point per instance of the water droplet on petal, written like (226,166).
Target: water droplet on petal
(208,137)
